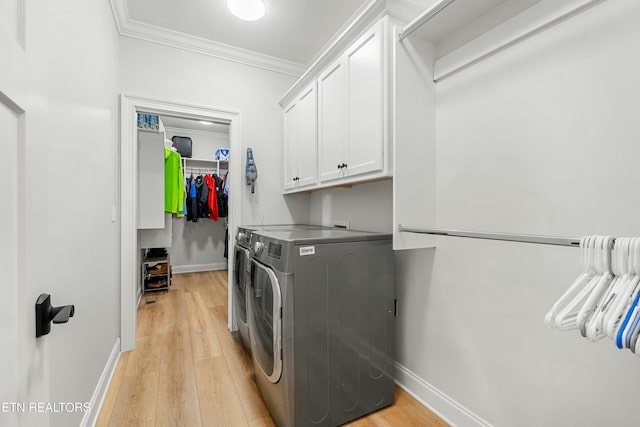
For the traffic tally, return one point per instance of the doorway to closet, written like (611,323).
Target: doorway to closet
(183,119)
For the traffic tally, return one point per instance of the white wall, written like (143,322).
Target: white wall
(70,159)
(540,139)
(366,206)
(161,72)
(199,245)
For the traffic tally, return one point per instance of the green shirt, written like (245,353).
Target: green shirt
(173,182)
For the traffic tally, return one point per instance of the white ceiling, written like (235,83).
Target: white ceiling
(294,30)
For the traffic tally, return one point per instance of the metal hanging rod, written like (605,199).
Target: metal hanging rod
(422,19)
(523,238)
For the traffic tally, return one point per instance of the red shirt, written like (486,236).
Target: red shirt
(212,200)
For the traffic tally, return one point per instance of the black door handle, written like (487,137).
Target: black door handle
(46,313)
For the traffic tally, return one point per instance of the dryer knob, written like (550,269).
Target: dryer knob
(259,247)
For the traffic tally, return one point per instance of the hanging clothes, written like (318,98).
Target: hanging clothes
(185,195)
(173,179)
(212,200)
(226,183)
(202,196)
(223,208)
(193,200)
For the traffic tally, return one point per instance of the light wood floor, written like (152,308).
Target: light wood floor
(188,370)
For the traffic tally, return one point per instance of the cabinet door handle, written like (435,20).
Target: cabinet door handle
(344,165)
(339,166)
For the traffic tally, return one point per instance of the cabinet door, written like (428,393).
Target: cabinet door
(365,97)
(291,137)
(307,134)
(331,121)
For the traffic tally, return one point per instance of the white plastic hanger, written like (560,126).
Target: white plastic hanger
(625,336)
(626,306)
(626,287)
(620,268)
(566,319)
(550,319)
(600,285)
(595,324)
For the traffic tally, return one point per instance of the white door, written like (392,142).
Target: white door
(365,94)
(11,312)
(331,122)
(307,142)
(291,137)
(23,360)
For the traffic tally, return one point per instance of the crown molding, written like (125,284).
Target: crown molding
(128,27)
(358,23)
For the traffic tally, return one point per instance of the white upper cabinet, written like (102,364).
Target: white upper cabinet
(352,118)
(331,121)
(365,96)
(308,139)
(300,140)
(290,144)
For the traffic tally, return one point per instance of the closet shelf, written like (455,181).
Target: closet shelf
(466,32)
(448,17)
(189,162)
(190,159)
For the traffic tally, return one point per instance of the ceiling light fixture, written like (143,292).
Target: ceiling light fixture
(248,10)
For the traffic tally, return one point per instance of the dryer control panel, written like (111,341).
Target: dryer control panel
(270,251)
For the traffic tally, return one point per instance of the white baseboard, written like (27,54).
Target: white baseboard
(91,417)
(439,403)
(177,269)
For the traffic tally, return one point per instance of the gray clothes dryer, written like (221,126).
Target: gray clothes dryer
(241,271)
(322,314)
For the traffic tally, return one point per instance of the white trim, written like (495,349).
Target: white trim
(363,178)
(438,402)
(120,13)
(91,417)
(179,269)
(128,160)
(128,27)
